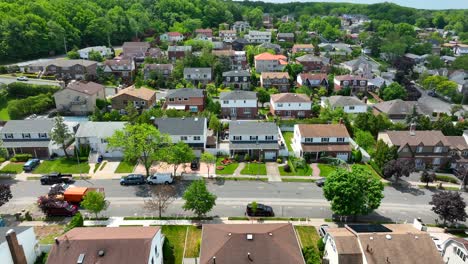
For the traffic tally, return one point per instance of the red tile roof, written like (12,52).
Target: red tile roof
(268,56)
(349,77)
(174,34)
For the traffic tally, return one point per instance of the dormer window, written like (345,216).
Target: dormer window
(26,135)
(8,135)
(419,149)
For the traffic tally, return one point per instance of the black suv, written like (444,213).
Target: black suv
(133,179)
(262,210)
(56,177)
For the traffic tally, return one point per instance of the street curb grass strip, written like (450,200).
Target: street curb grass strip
(33,178)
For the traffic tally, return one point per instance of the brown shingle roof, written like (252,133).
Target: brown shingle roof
(457,142)
(273,75)
(270,244)
(425,137)
(120,245)
(323,130)
(85,87)
(290,98)
(349,77)
(143,93)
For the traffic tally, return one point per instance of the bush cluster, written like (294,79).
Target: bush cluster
(21,157)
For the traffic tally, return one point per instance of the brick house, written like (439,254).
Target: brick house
(120,68)
(178,52)
(186,99)
(66,69)
(354,82)
(164,70)
(290,105)
(458,150)
(142,98)
(312,80)
(311,63)
(278,80)
(79,97)
(266,62)
(239,104)
(237,79)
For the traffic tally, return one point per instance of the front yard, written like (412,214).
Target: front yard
(125,167)
(326,169)
(63,165)
(227,169)
(306,171)
(254,169)
(288,138)
(12,168)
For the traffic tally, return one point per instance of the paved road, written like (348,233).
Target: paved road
(8,80)
(288,199)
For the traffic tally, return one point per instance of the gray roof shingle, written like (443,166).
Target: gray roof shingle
(241,73)
(252,128)
(181,126)
(238,95)
(99,129)
(185,92)
(29,126)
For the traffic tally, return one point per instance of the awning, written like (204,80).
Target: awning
(326,148)
(176,107)
(26,144)
(247,146)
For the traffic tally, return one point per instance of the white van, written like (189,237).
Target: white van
(160,178)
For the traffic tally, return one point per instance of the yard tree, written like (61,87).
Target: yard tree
(460,63)
(161,197)
(427,177)
(209,159)
(95,202)
(365,140)
(60,134)
(3,150)
(215,124)
(263,96)
(398,168)
(449,206)
(178,154)
(142,142)
(353,193)
(132,113)
(383,154)
(5,194)
(198,199)
(394,91)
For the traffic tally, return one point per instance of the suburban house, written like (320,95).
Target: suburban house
(349,104)
(428,149)
(311,63)
(261,244)
(268,45)
(178,52)
(121,68)
(315,141)
(307,48)
(204,33)
(128,244)
(237,59)
(66,69)
(18,245)
(93,135)
(197,75)
(376,243)
(228,35)
(458,150)
(312,80)
(254,138)
(103,50)
(191,130)
(278,80)
(237,79)
(239,104)
(142,98)
(172,37)
(285,37)
(186,99)
(397,110)
(30,136)
(354,82)
(290,105)
(266,62)
(135,50)
(79,97)
(255,36)
(240,26)
(164,70)
(239,44)
(361,66)
(455,250)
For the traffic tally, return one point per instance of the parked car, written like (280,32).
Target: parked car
(262,210)
(56,177)
(323,230)
(160,178)
(31,164)
(320,182)
(64,209)
(133,179)
(22,78)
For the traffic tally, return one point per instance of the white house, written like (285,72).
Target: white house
(290,105)
(192,131)
(239,104)
(95,134)
(255,36)
(23,236)
(172,37)
(103,50)
(254,138)
(228,35)
(350,104)
(455,251)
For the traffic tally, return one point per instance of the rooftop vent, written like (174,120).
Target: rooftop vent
(270,234)
(229,234)
(80,258)
(101,253)
(249,257)
(371,238)
(249,236)
(389,237)
(56,241)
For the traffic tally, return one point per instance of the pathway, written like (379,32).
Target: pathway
(315,170)
(273,172)
(238,169)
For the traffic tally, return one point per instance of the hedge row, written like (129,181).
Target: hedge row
(20,108)
(21,89)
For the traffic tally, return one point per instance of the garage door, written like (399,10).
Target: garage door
(342,156)
(270,155)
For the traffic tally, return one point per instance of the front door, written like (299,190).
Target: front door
(233,111)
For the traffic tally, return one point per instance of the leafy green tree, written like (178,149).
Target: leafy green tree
(60,134)
(460,63)
(95,202)
(3,150)
(95,56)
(263,96)
(383,154)
(73,55)
(255,17)
(178,154)
(365,140)
(215,124)
(209,159)
(434,62)
(131,113)
(353,193)
(198,199)
(394,91)
(142,142)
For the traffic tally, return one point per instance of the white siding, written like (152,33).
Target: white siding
(156,251)
(239,103)
(450,253)
(28,240)
(246,137)
(356,109)
(319,140)
(291,106)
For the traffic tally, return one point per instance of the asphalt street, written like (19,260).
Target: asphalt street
(8,80)
(288,199)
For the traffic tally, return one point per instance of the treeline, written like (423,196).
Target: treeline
(19,89)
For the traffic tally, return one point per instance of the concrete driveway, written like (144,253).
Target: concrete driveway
(273,172)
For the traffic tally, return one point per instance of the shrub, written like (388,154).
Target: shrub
(279,160)
(246,157)
(21,90)
(311,255)
(20,108)
(357,156)
(77,221)
(21,157)
(236,157)
(287,168)
(320,245)
(445,178)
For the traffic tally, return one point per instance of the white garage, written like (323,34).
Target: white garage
(270,155)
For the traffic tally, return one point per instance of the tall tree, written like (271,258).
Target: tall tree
(394,91)
(353,193)
(215,124)
(383,154)
(209,159)
(178,154)
(398,168)
(60,134)
(5,194)
(263,96)
(198,199)
(95,202)
(161,197)
(131,113)
(427,177)
(142,142)
(449,206)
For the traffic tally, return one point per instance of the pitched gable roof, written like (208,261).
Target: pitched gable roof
(309,76)
(274,75)
(28,126)
(338,100)
(181,126)
(85,87)
(400,107)
(268,56)
(323,130)
(290,98)
(238,95)
(142,93)
(420,137)
(185,92)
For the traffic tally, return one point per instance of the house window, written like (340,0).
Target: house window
(171,99)
(453,152)
(245,79)
(196,137)
(351,107)
(245,101)
(228,79)
(436,161)
(406,149)
(26,135)
(183,138)
(103,141)
(42,135)
(225,102)
(8,135)
(253,137)
(346,83)
(143,103)
(185,99)
(339,139)
(269,137)
(308,140)
(180,99)
(236,79)
(363,83)
(419,149)
(325,139)
(280,105)
(237,137)
(125,102)
(438,149)
(193,108)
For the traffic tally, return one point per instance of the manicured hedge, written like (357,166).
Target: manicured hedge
(22,90)
(21,157)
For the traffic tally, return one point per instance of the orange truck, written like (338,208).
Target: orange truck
(76,194)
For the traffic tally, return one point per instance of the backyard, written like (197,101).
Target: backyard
(307,235)
(12,168)
(288,138)
(125,167)
(227,169)
(176,242)
(63,165)
(254,169)
(305,171)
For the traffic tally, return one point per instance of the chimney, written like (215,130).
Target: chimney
(412,130)
(214,260)
(249,257)
(16,250)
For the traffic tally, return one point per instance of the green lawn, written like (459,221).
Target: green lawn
(193,242)
(307,171)
(254,169)
(125,167)
(174,244)
(4,111)
(326,169)
(367,167)
(288,138)
(308,236)
(228,169)
(62,165)
(13,168)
